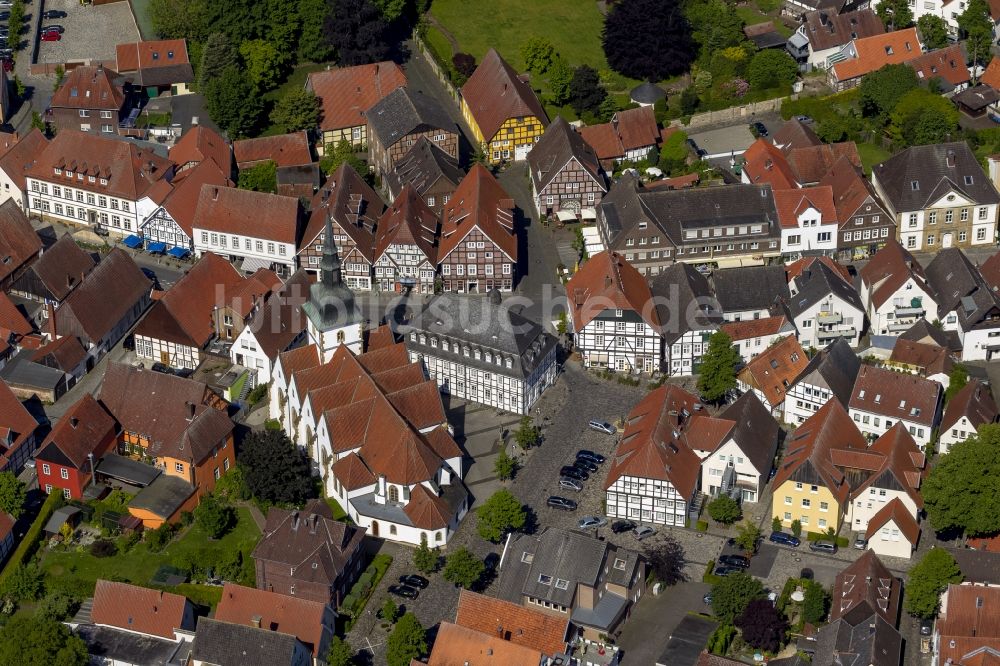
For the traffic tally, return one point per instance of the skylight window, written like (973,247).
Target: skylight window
(544,580)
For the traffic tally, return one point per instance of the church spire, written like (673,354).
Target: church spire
(330,264)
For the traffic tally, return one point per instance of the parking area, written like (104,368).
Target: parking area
(91,31)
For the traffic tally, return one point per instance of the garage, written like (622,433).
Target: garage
(521,152)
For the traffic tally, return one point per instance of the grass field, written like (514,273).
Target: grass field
(79,571)
(872,155)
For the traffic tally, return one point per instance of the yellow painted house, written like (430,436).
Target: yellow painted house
(827,455)
(502,110)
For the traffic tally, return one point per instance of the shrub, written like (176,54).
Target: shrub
(29,544)
(103,548)
(719,641)
(702,526)
(158,539)
(58,606)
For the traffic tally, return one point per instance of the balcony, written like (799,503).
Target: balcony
(835,332)
(900,326)
(826,318)
(914,309)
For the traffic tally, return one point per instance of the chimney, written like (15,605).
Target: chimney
(190,411)
(69,281)
(313,519)
(295,521)
(951,158)
(215,194)
(74,422)
(255,621)
(607,281)
(50,312)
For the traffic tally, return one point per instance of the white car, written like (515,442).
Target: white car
(591,521)
(602,426)
(643,532)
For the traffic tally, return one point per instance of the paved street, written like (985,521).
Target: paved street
(654,618)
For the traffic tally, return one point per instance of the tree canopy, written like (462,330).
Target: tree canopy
(538,54)
(933,31)
(261,177)
(724,509)
(36,641)
(666,559)
(717,375)
(960,493)
(586,94)
(957,379)
(297,110)
(976,26)
(647,39)
(762,626)
(500,514)
(895,14)
(882,89)
(922,117)
(927,580)
(12,494)
(214,516)
(275,470)
(357,32)
(339,653)
(408,641)
(234,102)
(731,595)
(771,68)
(463,568)
(715,26)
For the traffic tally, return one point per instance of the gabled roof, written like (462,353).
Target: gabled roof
(201,143)
(347,92)
(607,279)
(990,270)
(629,129)
(792,203)
(155,63)
(764,163)
(749,287)
(456,645)
(975,402)
(851,190)
(991,76)
(773,371)
(904,464)
(894,511)
(479,201)
(12,319)
(227,644)
(16,420)
(969,620)
(87,87)
(513,622)
(84,427)
(353,206)
(18,241)
(836,367)
(896,395)
(947,64)
(404,111)
(756,328)
(889,269)
(959,287)
(826,29)
(281,320)
(302,618)
(104,298)
(18,158)
(924,331)
(797,268)
(930,359)
(285,150)
(651,445)
(558,146)
(878,50)
(866,587)
(811,163)
(816,283)
(919,176)
(182,202)
(754,430)
(64,354)
(795,134)
(423,166)
(408,221)
(495,93)
(687,290)
(426,510)
(248,213)
(139,609)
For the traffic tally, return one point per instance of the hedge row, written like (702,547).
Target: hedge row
(29,544)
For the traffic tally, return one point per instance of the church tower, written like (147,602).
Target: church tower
(334,317)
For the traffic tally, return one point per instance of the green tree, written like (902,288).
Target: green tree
(339,653)
(424,558)
(504,466)
(933,31)
(748,536)
(24,583)
(313,46)
(815,604)
(262,177)
(960,493)
(297,110)
(275,469)
(776,524)
(527,434)
(689,100)
(357,32)
(390,611)
(500,514)
(666,560)
(16,23)
(233,102)
(976,26)
(717,375)
(264,63)
(731,595)
(12,494)
(895,14)
(882,89)
(632,25)
(37,641)
(771,68)
(724,509)
(560,77)
(538,54)
(585,90)
(715,25)
(342,153)
(214,516)
(216,57)
(57,606)
(762,626)
(408,641)
(927,580)
(922,117)
(391,9)
(957,379)
(176,19)
(37,122)
(674,153)
(796,528)
(463,568)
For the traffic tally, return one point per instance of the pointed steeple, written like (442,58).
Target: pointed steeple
(330,264)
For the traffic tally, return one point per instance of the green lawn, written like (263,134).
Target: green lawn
(338,511)
(872,155)
(78,571)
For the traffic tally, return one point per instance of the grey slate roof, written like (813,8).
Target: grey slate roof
(749,288)
(226,644)
(815,284)
(920,175)
(163,496)
(683,283)
(959,287)
(923,330)
(403,111)
(687,641)
(132,648)
(481,322)
(978,566)
(423,166)
(555,149)
(756,431)
(835,368)
(841,644)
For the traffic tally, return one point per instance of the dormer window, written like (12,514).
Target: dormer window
(156,56)
(57,171)
(69,174)
(104,181)
(914,185)
(90,179)
(619,564)
(544,580)
(562,584)
(73,92)
(888,50)
(170,55)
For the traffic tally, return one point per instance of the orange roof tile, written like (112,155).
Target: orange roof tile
(896,395)
(276,612)
(991,76)
(969,621)
(134,56)
(455,646)
(381,337)
(89,87)
(16,420)
(764,163)
(352,472)
(479,201)
(947,64)
(773,370)
(929,359)
(889,269)
(791,203)
(84,427)
(284,150)
(258,214)
(139,609)
(408,221)
(607,280)
(347,92)
(636,127)
(754,328)
(877,51)
(810,164)
(427,511)
(182,202)
(901,459)
(12,320)
(604,140)
(18,157)
(518,624)
(495,93)
(975,402)
(201,143)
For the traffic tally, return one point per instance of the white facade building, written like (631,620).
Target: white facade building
(830,375)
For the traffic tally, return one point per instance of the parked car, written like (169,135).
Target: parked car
(50,37)
(413,580)
(588,522)
(926,627)
(784,539)
(643,532)
(163,367)
(48,14)
(860,542)
(148,272)
(54,28)
(404,591)
(758,128)
(724,570)
(561,503)
(566,483)
(622,526)
(707,598)
(595,458)
(8,64)
(804,119)
(582,463)
(574,473)
(603,426)
(734,561)
(4,16)
(823,546)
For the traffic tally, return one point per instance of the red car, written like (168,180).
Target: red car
(51,36)
(8,65)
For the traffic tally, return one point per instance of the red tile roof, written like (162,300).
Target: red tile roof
(16,420)
(352,472)
(604,140)
(927,358)
(791,203)
(889,269)
(754,328)
(495,93)
(138,609)
(990,270)
(85,426)
(87,87)
(182,202)
(607,280)
(302,618)
(518,624)
(764,163)
(455,646)
(902,459)
(426,510)
(6,525)
(969,620)
(795,269)
(354,207)
(19,244)
(257,214)
(895,511)
(347,92)
(381,337)
(134,56)
(810,164)
(896,395)
(879,50)
(18,157)
(866,582)
(850,189)
(975,402)
(64,354)
(648,447)
(773,370)
(199,144)
(630,129)
(408,221)
(281,320)
(947,64)
(991,76)
(12,320)
(479,201)
(284,150)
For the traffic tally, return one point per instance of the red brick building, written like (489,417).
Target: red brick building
(79,439)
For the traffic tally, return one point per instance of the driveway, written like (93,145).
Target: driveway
(92,31)
(654,619)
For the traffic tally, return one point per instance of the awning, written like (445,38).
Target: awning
(125,469)
(179,252)
(589,213)
(156,247)
(132,241)
(566,216)
(737,262)
(253,264)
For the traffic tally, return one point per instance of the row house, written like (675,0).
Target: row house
(894,290)
(433,173)
(919,358)
(296,173)
(824,33)
(477,250)
(631,135)
(967,305)
(16,157)
(863,616)
(969,409)
(866,54)
(399,120)
(882,398)
(829,375)
(215,644)
(141,612)
(95,100)
(752,337)
(749,292)
(346,93)
(769,375)
(201,144)
(614,322)
(65,461)
(257,228)
(794,157)
(159,66)
(808,220)
(21,245)
(824,306)
(939,196)
(94,181)
(566,177)
(501,109)
(946,66)
(51,278)
(965,632)
(865,222)
(172,220)
(929,334)
(405,255)
(19,428)
(688,315)
(476,349)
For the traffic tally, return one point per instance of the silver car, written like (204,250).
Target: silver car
(602,426)
(643,532)
(588,522)
(567,483)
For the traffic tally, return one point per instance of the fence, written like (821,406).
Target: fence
(440,73)
(732,113)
